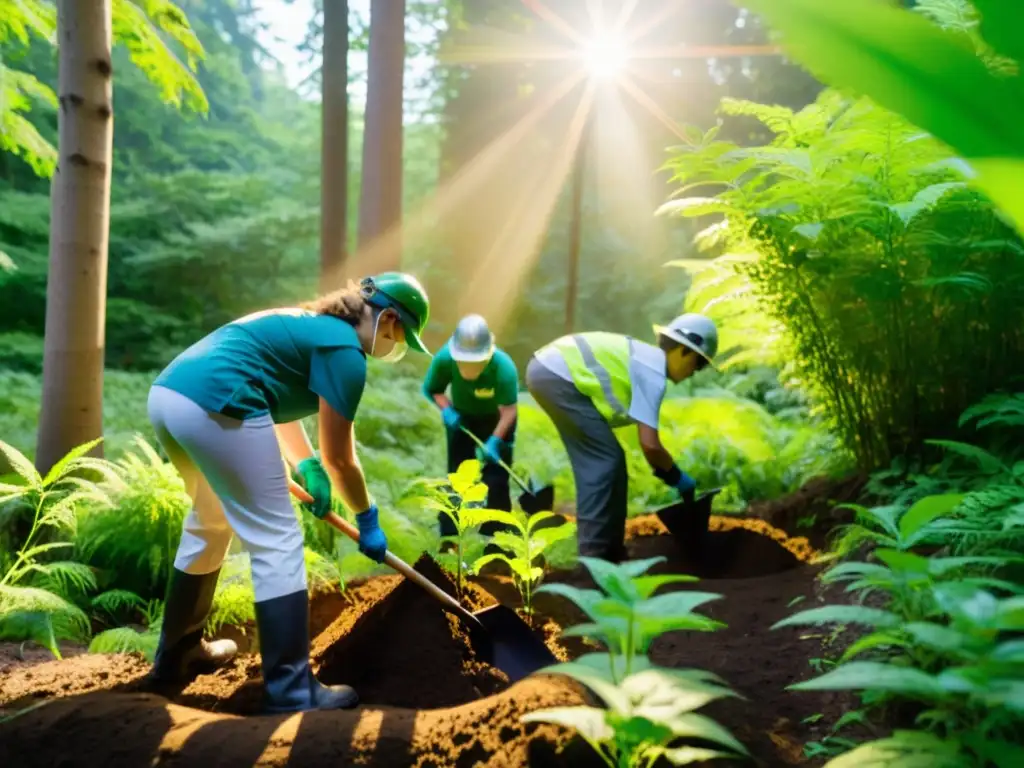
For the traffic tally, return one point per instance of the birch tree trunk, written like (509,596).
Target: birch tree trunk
(72,406)
(334,145)
(380,200)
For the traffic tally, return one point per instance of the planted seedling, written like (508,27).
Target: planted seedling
(523,547)
(625,615)
(645,713)
(459,497)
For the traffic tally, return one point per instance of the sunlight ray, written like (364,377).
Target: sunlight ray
(542,11)
(466,182)
(631,87)
(495,285)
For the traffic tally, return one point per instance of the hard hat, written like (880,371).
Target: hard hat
(472,341)
(694,331)
(404,294)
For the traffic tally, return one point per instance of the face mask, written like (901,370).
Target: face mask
(397,351)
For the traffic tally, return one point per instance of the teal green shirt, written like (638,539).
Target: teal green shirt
(497,385)
(279,362)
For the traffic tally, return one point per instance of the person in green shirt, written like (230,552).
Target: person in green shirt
(225,410)
(484,392)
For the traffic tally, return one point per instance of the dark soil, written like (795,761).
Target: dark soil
(427,701)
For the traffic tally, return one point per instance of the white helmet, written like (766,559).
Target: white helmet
(472,341)
(697,332)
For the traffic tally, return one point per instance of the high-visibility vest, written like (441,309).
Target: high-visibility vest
(599,365)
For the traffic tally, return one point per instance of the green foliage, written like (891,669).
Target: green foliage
(624,615)
(39,595)
(943,573)
(459,497)
(133,539)
(523,546)
(644,714)
(142,26)
(892,288)
(890,54)
(649,712)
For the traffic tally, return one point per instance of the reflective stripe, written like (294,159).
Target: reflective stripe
(601,373)
(599,364)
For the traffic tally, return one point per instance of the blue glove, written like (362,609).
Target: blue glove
(451,418)
(492,449)
(686,484)
(372,541)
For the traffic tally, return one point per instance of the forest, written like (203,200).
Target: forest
(832,186)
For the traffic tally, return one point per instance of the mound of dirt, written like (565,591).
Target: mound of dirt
(733,548)
(405,651)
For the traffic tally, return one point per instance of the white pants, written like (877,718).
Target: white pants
(236,478)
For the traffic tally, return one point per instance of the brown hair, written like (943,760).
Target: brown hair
(345,304)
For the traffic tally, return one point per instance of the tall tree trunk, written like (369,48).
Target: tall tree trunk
(334,144)
(380,201)
(72,407)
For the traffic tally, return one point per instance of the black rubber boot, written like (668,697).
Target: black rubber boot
(288,681)
(183,653)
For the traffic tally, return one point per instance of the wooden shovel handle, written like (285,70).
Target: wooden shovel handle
(400,565)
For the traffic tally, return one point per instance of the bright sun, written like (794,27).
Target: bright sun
(605,58)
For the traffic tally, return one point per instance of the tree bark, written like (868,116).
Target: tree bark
(72,405)
(380,201)
(334,145)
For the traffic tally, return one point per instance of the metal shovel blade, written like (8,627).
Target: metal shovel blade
(538,500)
(688,520)
(503,640)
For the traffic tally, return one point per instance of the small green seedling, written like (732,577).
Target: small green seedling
(625,615)
(459,497)
(523,548)
(645,713)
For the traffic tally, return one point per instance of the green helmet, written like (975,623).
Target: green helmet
(404,294)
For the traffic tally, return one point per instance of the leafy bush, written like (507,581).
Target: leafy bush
(944,628)
(132,541)
(41,598)
(894,289)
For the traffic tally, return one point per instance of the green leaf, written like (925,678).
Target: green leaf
(926,510)
(873,675)
(872,641)
(904,563)
(545,537)
(21,465)
(589,721)
(494,557)
(938,637)
(646,586)
(842,614)
(904,749)
(986,462)
(66,463)
(475,517)
(613,579)
(694,206)
(1001,23)
(891,55)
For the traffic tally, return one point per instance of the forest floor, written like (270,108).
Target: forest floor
(425,699)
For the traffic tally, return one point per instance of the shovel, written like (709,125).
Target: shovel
(534,499)
(688,520)
(497,635)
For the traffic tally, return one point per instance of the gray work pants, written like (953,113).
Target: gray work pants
(598,462)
